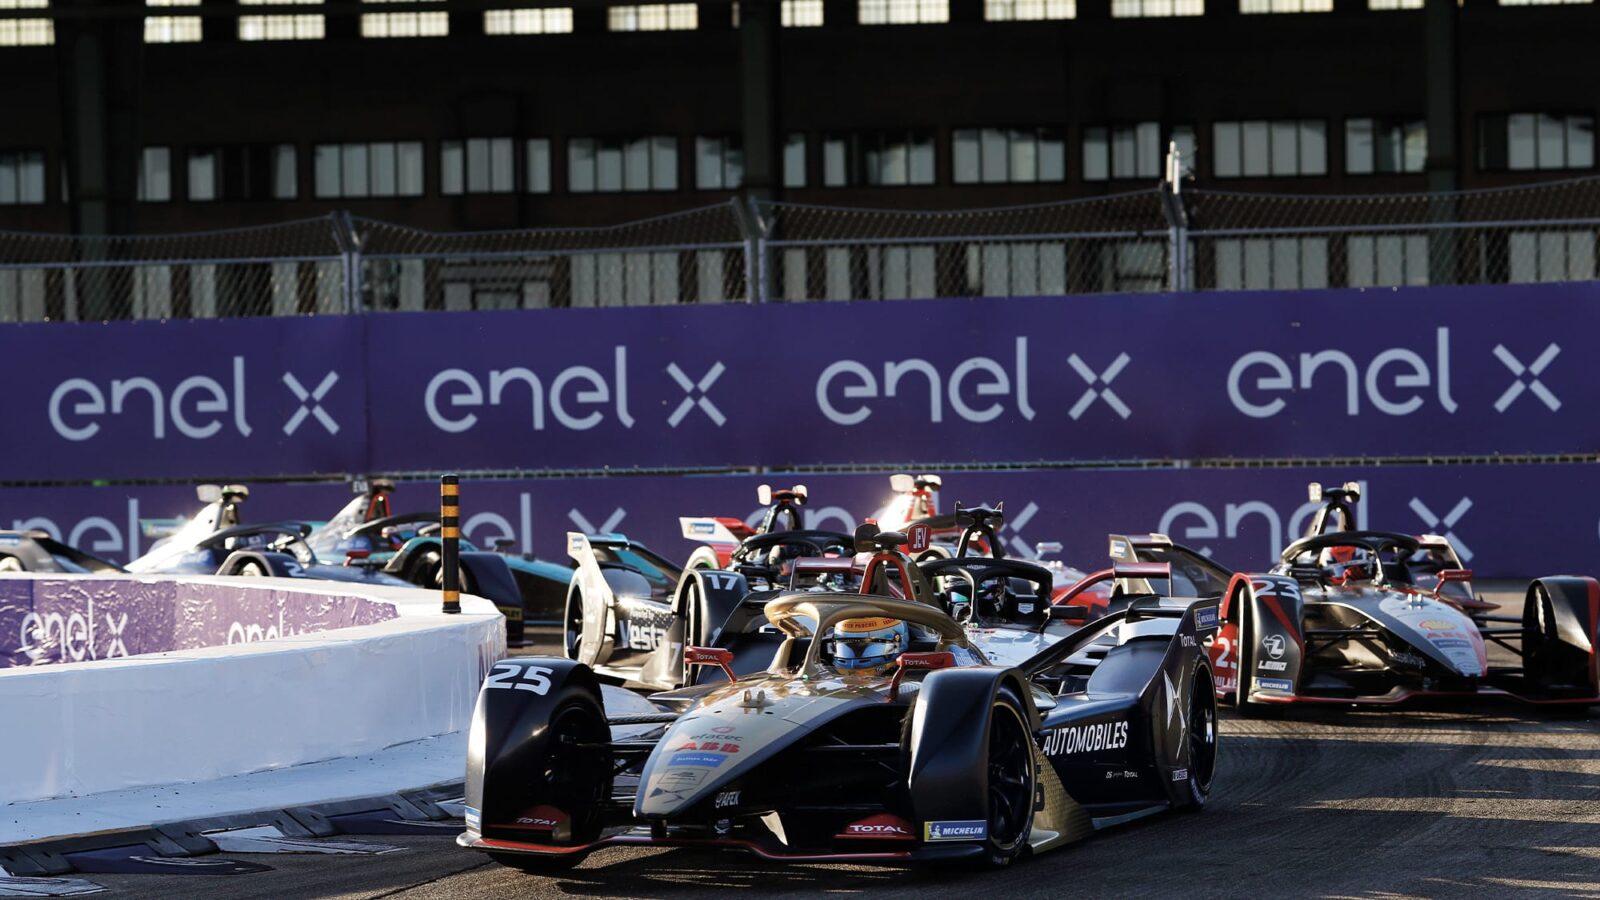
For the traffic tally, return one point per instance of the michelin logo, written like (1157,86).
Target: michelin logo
(1275,684)
(975,830)
(1205,617)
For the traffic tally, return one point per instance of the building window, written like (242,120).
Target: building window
(1527,141)
(554,20)
(1381,5)
(21,177)
(205,173)
(1029,10)
(1122,151)
(1147,9)
(1386,260)
(1385,145)
(171,29)
(801,13)
(718,163)
(404,24)
(794,160)
(654,17)
(1285,6)
(538,165)
(994,155)
(281,27)
(155,175)
(1260,148)
(902,12)
(1257,264)
(476,166)
(1551,256)
(878,159)
(384,169)
(622,164)
(26,32)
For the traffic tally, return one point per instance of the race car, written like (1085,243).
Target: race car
(915,502)
(1375,617)
(850,744)
(33,550)
(528,591)
(721,537)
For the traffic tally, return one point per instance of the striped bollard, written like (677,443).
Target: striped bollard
(450,531)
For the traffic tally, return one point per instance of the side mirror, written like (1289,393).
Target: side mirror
(799,491)
(1044,548)
(933,481)
(902,484)
(1448,576)
(764,494)
(922,662)
(352,557)
(865,533)
(1314,491)
(208,493)
(711,656)
(1069,614)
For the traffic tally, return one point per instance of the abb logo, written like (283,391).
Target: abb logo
(711,746)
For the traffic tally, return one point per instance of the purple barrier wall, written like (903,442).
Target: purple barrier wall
(45,621)
(1509,520)
(1441,371)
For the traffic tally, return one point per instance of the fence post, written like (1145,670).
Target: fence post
(450,537)
(1178,269)
(344,234)
(756,268)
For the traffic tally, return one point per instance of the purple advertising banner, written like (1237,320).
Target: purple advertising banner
(47,620)
(1506,520)
(1416,372)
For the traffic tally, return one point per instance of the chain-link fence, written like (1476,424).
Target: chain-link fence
(1171,237)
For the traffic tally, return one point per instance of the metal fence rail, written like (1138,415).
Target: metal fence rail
(1170,237)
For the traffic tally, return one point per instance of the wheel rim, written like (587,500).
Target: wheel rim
(1202,730)
(574,626)
(251,570)
(1010,778)
(578,778)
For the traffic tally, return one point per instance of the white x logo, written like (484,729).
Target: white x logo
(1449,522)
(610,526)
(1104,393)
(1018,545)
(116,627)
(1532,384)
(690,389)
(314,399)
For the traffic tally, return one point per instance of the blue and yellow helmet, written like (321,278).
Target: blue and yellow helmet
(868,646)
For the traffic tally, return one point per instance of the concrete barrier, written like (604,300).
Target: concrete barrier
(298,671)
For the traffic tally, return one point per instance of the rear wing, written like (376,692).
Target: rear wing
(714,529)
(1198,574)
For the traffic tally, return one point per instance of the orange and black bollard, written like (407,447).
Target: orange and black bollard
(450,531)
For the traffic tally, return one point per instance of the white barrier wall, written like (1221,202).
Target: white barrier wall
(190,715)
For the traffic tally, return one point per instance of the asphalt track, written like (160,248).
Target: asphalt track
(1500,801)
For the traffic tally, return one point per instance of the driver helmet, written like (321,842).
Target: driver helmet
(868,646)
(1352,564)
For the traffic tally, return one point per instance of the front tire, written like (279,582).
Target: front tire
(691,629)
(1011,781)
(251,569)
(572,627)
(1202,737)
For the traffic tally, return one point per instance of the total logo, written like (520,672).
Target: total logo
(1397,381)
(198,406)
(576,398)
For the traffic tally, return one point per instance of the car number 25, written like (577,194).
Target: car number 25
(510,676)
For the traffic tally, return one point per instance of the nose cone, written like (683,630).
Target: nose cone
(1446,633)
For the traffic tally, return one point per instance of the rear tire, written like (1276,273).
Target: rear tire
(1011,781)
(250,569)
(572,625)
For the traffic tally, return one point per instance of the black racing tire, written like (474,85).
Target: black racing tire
(692,636)
(538,865)
(572,624)
(578,780)
(425,571)
(1012,779)
(1201,737)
